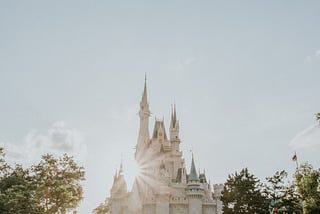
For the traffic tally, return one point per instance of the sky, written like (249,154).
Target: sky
(244,76)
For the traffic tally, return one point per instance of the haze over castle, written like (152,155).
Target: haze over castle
(163,186)
(245,76)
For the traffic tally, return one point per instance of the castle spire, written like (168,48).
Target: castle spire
(193,176)
(174,124)
(144,115)
(174,112)
(121,168)
(144,99)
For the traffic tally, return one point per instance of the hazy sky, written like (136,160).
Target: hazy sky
(245,76)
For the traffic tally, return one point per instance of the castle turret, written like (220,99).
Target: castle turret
(218,188)
(174,125)
(118,193)
(193,176)
(119,187)
(194,191)
(144,115)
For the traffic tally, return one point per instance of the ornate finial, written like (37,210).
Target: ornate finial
(191,150)
(145,81)
(144,94)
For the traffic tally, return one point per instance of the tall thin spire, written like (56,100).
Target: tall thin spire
(144,99)
(174,114)
(121,167)
(173,117)
(144,115)
(193,176)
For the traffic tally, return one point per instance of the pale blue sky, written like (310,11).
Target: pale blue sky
(245,76)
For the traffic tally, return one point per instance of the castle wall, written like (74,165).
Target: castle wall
(119,207)
(162,204)
(208,209)
(178,209)
(195,205)
(149,209)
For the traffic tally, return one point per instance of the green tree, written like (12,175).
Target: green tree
(58,184)
(51,186)
(283,195)
(17,193)
(242,193)
(4,167)
(308,184)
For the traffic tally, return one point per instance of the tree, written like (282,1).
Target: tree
(58,184)
(242,193)
(103,208)
(17,193)
(318,116)
(284,197)
(308,184)
(4,167)
(52,186)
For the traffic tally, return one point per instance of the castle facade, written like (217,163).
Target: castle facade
(164,186)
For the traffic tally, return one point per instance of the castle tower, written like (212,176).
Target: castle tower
(195,192)
(174,130)
(164,185)
(218,188)
(118,193)
(144,115)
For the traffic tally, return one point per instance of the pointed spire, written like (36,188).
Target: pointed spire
(171,122)
(115,175)
(144,99)
(144,115)
(121,168)
(193,176)
(174,112)
(174,121)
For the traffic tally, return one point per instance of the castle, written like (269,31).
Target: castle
(163,185)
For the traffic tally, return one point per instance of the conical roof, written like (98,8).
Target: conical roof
(193,176)
(144,99)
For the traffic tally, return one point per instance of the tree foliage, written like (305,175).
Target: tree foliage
(308,184)
(242,194)
(51,186)
(282,195)
(318,116)
(4,167)
(17,192)
(103,208)
(58,187)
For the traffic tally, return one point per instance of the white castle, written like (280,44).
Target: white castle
(163,186)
